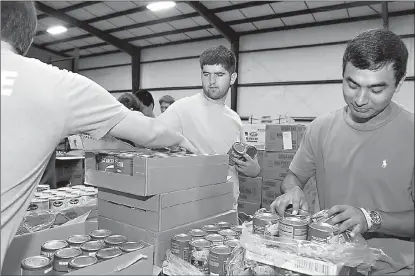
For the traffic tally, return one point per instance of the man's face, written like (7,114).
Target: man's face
(367,93)
(164,106)
(216,81)
(147,110)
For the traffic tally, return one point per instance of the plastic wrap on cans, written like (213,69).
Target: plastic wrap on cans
(293,228)
(73,200)
(264,270)
(63,189)
(211,228)
(228,234)
(78,187)
(108,253)
(199,255)
(42,187)
(63,256)
(180,246)
(238,150)
(131,246)
(237,229)
(218,259)
(265,224)
(36,265)
(49,248)
(197,233)
(57,203)
(224,225)
(100,234)
(115,240)
(215,239)
(38,204)
(81,262)
(232,243)
(78,240)
(322,232)
(90,248)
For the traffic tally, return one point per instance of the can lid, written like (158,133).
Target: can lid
(197,232)
(68,253)
(78,239)
(239,147)
(294,221)
(132,246)
(221,249)
(232,243)
(323,226)
(54,245)
(210,227)
(237,228)
(100,233)
(116,239)
(227,232)
(182,237)
(108,253)
(214,237)
(200,243)
(82,261)
(267,216)
(92,246)
(36,262)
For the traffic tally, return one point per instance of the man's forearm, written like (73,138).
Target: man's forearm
(290,181)
(399,224)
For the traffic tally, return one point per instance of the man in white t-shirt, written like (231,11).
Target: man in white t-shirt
(40,105)
(204,119)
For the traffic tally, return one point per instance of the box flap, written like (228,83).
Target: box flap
(150,203)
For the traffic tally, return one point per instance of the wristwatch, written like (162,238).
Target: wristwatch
(376,220)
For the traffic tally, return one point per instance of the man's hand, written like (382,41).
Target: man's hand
(187,145)
(249,168)
(295,197)
(348,217)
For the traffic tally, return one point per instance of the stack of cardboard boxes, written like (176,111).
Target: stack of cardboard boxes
(159,197)
(280,141)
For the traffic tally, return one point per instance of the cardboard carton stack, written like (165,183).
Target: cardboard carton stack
(158,195)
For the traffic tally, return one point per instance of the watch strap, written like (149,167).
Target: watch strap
(367,217)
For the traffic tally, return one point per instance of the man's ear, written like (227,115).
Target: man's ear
(398,87)
(151,106)
(233,78)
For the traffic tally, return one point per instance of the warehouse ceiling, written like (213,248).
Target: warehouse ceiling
(104,27)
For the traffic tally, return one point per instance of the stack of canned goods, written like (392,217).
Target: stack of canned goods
(46,199)
(207,248)
(78,251)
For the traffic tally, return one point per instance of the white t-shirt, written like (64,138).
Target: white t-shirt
(40,105)
(211,127)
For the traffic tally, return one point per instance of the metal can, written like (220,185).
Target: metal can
(108,253)
(90,195)
(218,258)
(38,194)
(100,234)
(42,187)
(56,203)
(81,262)
(294,227)
(302,214)
(115,240)
(180,246)
(36,265)
(49,248)
(78,240)
(90,248)
(228,234)
(73,200)
(199,256)
(211,229)
(63,256)
(106,161)
(286,272)
(322,232)
(197,233)
(265,224)
(215,239)
(264,270)
(232,243)
(63,189)
(131,246)
(78,187)
(239,149)
(38,204)
(224,225)
(290,236)
(237,229)
(125,162)
(46,193)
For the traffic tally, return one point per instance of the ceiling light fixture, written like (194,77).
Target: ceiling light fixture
(56,30)
(158,6)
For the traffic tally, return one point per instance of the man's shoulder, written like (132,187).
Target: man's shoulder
(233,115)
(327,119)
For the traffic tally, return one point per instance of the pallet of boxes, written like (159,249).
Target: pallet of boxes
(169,199)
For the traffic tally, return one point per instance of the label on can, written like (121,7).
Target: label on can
(199,256)
(265,224)
(218,257)
(180,246)
(294,226)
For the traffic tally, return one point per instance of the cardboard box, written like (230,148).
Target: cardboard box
(166,211)
(269,194)
(250,189)
(254,135)
(86,142)
(283,137)
(161,240)
(248,208)
(29,245)
(276,165)
(160,175)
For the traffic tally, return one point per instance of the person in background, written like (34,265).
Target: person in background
(165,102)
(147,102)
(204,118)
(363,154)
(40,105)
(130,101)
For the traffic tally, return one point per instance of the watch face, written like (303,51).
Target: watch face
(375,217)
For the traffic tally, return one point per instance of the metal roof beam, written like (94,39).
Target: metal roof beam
(72,8)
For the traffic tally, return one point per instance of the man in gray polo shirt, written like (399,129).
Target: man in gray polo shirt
(363,154)
(40,105)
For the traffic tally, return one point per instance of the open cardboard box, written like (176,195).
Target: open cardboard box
(165,211)
(162,240)
(153,176)
(29,245)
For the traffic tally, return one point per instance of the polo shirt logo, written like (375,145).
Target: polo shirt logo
(384,164)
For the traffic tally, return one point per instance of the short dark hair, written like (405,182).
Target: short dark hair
(18,24)
(219,55)
(130,101)
(166,99)
(374,49)
(144,97)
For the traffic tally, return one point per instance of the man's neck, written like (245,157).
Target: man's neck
(220,101)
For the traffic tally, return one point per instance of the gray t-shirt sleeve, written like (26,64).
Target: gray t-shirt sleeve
(304,161)
(90,108)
